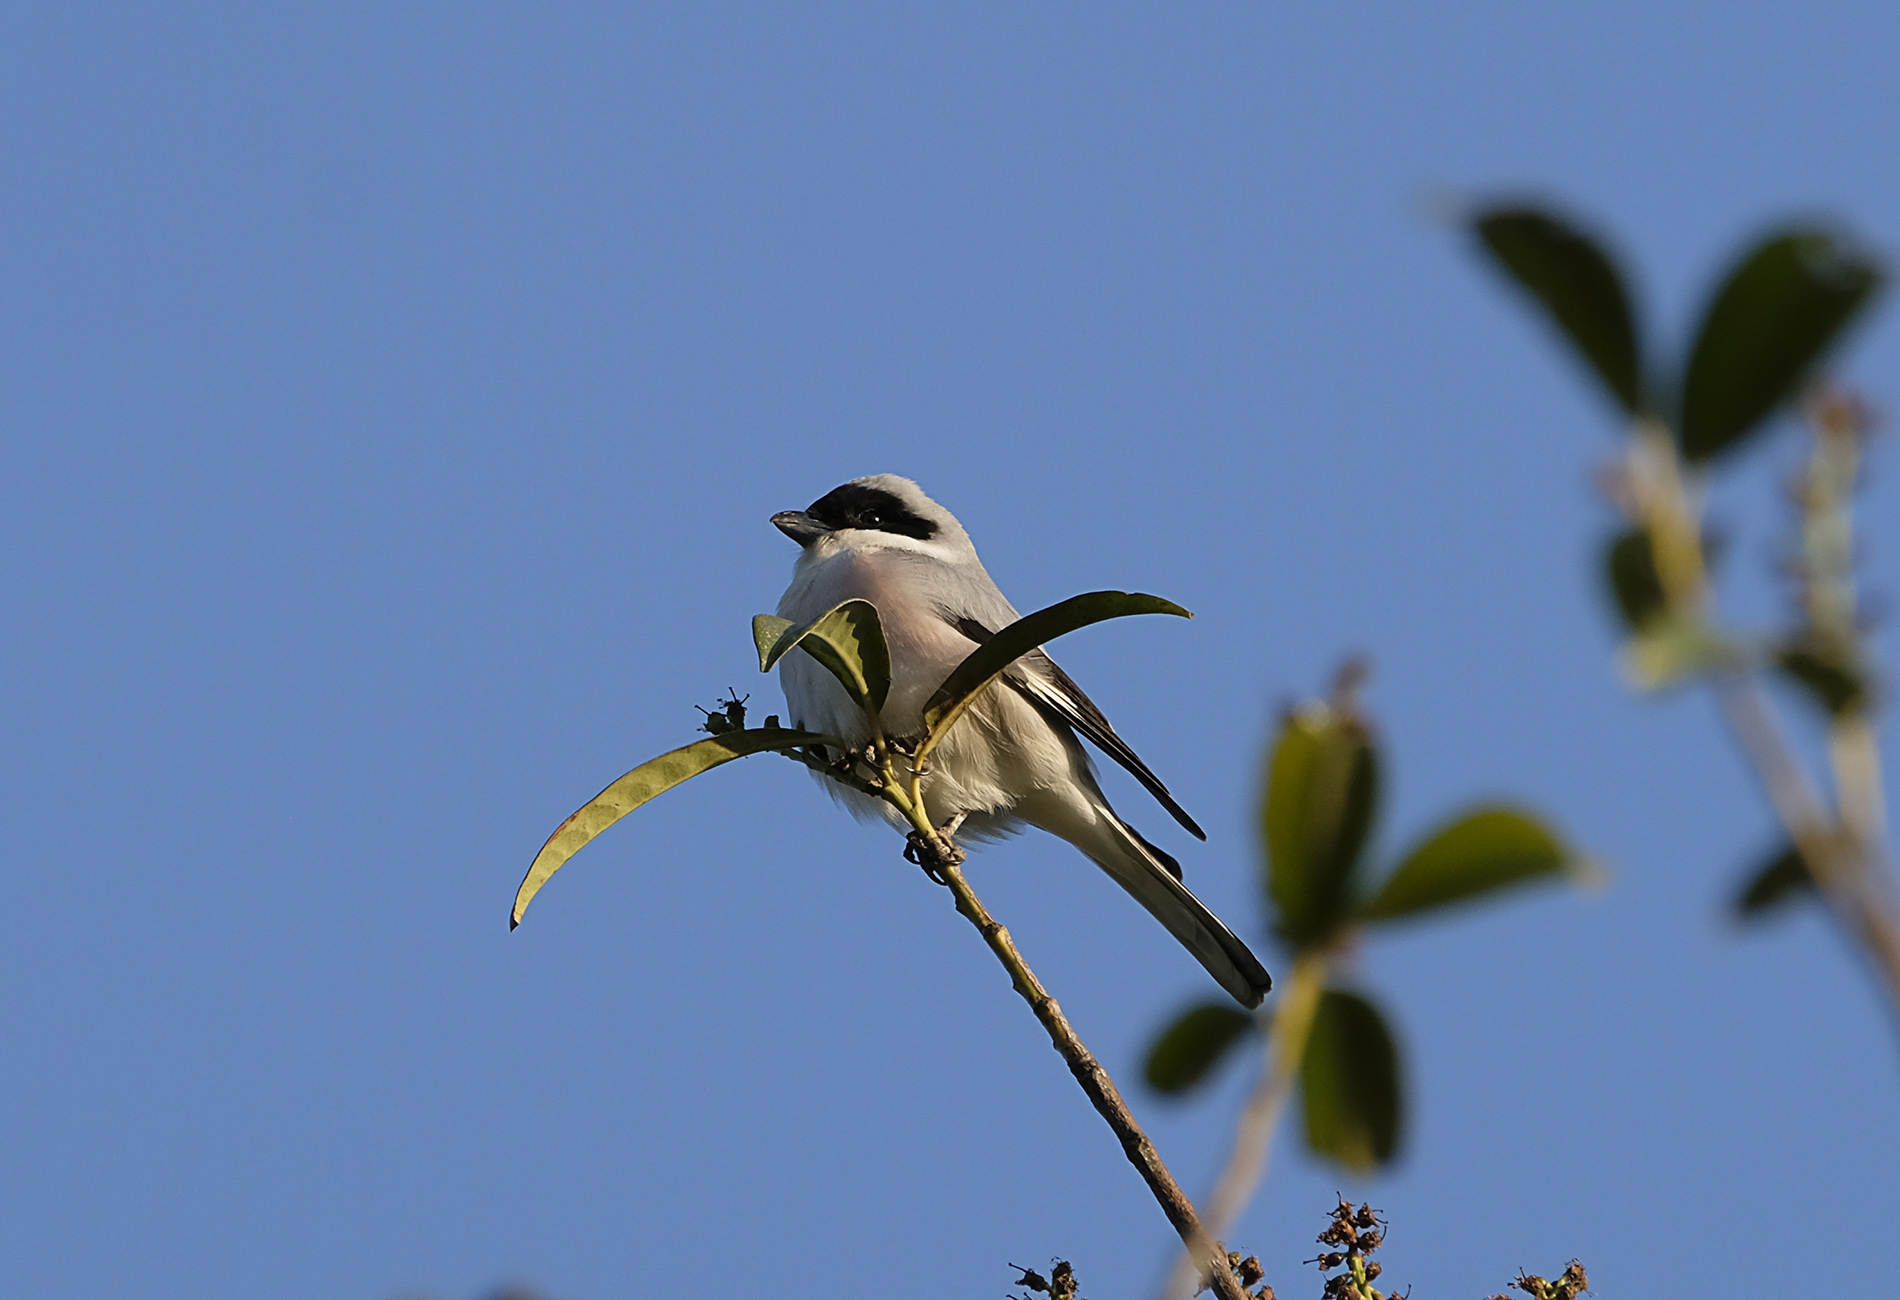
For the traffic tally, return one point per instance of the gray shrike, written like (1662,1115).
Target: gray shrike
(1014,758)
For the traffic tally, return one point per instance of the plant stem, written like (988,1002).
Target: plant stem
(1842,867)
(1666,509)
(1101,1090)
(1096,1083)
(1826,498)
(1845,846)
(1293,1014)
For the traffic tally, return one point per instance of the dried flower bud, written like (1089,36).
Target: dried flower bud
(729,716)
(1030,1278)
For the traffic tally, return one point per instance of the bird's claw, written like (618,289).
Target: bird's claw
(920,852)
(935,852)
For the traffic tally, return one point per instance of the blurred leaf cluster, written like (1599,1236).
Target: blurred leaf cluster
(1324,894)
(1772,320)
(1770,324)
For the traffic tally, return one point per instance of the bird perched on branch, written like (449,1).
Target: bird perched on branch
(1014,758)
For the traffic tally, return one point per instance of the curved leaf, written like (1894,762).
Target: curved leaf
(1775,317)
(1577,284)
(1349,1083)
(1194,1044)
(848,639)
(1477,854)
(1779,882)
(1014,640)
(1322,792)
(649,780)
(766,630)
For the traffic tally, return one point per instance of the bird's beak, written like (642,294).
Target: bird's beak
(799,526)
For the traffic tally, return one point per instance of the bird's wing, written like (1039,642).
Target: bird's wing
(1039,680)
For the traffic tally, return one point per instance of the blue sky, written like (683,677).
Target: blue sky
(394,400)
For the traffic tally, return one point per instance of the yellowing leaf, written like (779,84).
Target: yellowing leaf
(649,780)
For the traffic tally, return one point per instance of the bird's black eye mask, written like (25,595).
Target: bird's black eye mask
(857,506)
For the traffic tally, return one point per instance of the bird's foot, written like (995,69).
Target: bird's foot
(920,852)
(935,852)
(846,769)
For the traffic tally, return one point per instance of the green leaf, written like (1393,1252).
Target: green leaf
(1772,321)
(1829,677)
(1322,792)
(1349,1082)
(1629,565)
(1189,1049)
(1014,640)
(766,630)
(1577,284)
(1478,853)
(848,639)
(1778,883)
(648,781)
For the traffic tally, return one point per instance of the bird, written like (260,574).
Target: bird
(1015,759)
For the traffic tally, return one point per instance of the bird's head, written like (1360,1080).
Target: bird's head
(877,510)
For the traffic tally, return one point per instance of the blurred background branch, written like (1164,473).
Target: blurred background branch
(1762,343)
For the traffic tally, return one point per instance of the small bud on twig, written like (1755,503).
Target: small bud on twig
(729,716)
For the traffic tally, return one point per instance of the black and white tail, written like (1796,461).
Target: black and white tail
(1154,879)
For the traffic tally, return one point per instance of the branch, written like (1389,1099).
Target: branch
(1843,867)
(1253,1135)
(931,848)
(942,860)
(1845,852)
(1844,846)
(1101,1090)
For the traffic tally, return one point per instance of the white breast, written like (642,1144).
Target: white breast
(924,646)
(975,771)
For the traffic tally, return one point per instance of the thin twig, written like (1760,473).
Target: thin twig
(942,860)
(1843,868)
(1845,851)
(1832,603)
(1844,846)
(1253,1136)
(1666,508)
(1101,1090)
